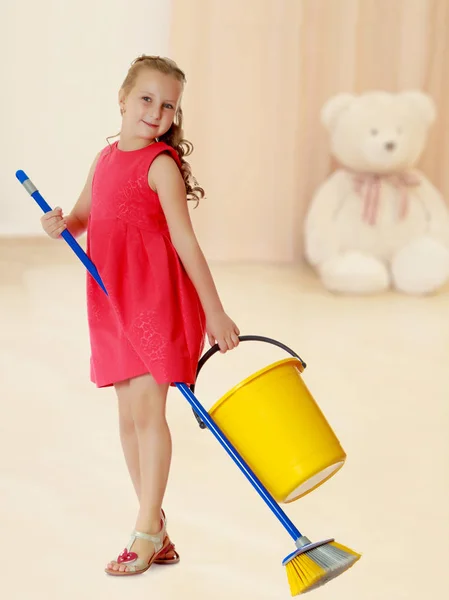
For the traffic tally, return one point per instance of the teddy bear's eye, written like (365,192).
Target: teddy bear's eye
(374,132)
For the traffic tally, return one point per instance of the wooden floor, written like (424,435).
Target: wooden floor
(378,367)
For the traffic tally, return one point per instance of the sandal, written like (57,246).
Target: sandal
(135,564)
(168,556)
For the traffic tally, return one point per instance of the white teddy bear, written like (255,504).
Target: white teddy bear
(377,222)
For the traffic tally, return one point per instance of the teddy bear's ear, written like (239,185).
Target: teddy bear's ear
(333,108)
(422,102)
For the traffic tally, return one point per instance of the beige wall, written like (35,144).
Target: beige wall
(258,73)
(61,67)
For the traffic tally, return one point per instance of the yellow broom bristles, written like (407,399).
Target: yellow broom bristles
(302,573)
(317,566)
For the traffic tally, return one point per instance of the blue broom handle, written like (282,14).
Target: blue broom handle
(236,457)
(68,237)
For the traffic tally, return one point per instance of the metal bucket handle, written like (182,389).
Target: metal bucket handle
(243,338)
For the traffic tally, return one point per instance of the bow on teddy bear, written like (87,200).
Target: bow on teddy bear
(369,185)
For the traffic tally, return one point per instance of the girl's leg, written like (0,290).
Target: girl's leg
(148,402)
(128,433)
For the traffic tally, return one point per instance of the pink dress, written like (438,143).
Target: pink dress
(152,321)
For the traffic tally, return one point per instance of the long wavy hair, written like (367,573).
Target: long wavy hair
(174,137)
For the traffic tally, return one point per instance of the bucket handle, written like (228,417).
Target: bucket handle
(243,338)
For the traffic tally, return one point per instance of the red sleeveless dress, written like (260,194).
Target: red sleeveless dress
(152,321)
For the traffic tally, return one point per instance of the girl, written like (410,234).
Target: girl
(149,332)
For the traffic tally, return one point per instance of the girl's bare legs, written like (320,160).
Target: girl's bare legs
(149,459)
(128,434)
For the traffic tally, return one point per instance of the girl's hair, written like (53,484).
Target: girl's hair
(174,136)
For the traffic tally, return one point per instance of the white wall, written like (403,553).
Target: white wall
(62,64)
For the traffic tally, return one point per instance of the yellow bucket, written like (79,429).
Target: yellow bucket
(275,424)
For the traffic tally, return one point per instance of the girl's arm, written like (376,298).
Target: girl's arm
(165,178)
(76,221)
(54,222)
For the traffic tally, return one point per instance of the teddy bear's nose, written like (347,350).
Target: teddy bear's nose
(390,146)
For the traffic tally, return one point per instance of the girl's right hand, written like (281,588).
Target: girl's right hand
(54,222)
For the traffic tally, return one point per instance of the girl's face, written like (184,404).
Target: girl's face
(150,107)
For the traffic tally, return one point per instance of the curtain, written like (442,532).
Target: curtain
(258,74)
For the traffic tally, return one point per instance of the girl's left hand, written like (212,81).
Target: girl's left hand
(223,331)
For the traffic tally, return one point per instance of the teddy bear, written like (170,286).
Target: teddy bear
(377,222)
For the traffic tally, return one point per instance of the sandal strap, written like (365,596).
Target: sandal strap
(137,565)
(157,539)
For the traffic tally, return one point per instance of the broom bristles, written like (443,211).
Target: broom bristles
(315,567)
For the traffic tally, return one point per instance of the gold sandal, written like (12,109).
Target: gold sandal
(136,565)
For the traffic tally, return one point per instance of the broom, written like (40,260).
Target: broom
(311,565)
